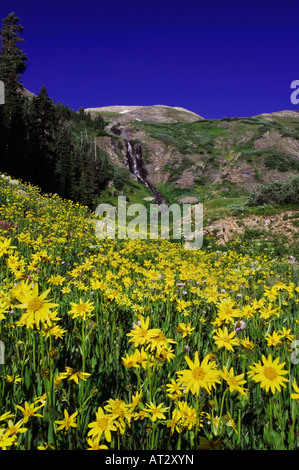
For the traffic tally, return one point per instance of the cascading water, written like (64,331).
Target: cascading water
(135,164)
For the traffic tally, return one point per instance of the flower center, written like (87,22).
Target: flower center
(142,332)
(161,337)
(35,304)
(118,408)
(102,423)
(198,373)
(270,373)
(155,411)
(81,308)
(225,339)
(232,381)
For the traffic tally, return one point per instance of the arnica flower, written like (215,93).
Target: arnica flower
(274,340)
(234,382)
(74,374)
(94,444)
(46,446)
(188,416)
(57,280)
(271,294)
(182,305)
(15,264)
(6,415)
(54,330)
(141,335)
(159,341)
(184,329)
(13,379)
(269,374)
(3,309)
(174,422)
(6,440)
(174,390)
(156,412)
(82,309)
(230,422)
(29,411)
(226,340)
(104,424)
(120,410)
(286,334)
(247,311)
(38,309)
(165,354)
(14,429)
(131,360)
(135,400)
(5,246)
(202,375)
(226,310)
(68,421)
(247,344)
(269,310)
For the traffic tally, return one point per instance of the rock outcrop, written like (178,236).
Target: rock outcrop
(281,224)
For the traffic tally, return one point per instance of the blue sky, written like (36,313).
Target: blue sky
(218,59)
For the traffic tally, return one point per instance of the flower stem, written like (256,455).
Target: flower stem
(153,435)
(197,418)
(271,413)
(221,410)
(239,428)
(281,427)
(83,347)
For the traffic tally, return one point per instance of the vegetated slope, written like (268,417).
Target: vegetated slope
(229,155)
(217,162)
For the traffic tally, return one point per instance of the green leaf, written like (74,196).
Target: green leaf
(27,378)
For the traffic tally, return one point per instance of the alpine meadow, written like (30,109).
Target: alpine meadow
(135,343)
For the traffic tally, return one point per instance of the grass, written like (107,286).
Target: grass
(221,207)
(186,137)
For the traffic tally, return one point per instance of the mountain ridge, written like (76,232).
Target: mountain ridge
(153,113)
(185,116)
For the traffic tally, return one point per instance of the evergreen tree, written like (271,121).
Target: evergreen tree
(43,124)
(13,63)
(64,112)
(99,125)
(81,113)
(67,172)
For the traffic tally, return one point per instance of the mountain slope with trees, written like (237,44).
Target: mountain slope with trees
(45,143)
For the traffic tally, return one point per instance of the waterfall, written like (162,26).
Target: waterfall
(135,164)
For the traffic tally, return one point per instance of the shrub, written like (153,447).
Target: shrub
(238,208)
(278,192)
(121,177)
